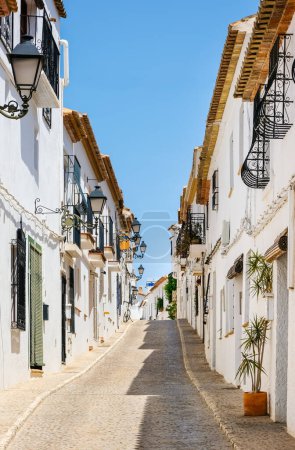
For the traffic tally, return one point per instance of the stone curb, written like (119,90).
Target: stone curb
(11,432)
(211,404)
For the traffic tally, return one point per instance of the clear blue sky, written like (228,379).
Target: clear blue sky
(144,72)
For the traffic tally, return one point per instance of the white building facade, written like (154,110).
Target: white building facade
(151,310)
(31,154)
(243,184)
(66,279)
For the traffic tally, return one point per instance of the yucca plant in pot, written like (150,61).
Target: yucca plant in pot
(261,274)
(253,345)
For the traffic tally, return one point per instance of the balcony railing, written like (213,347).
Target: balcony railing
(118,249)
(96,227)
(108,231)
(6,31)
(74,195)
(40,28)
(271,118)
(196,228)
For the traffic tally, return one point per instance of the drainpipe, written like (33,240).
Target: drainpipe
(66,78)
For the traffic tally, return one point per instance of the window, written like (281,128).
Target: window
(215,190)
(18,281)
(47,114)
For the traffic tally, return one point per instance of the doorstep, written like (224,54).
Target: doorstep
(226,401)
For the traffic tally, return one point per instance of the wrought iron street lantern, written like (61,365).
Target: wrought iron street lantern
(97,200)
(27,63)
(136,225)
(141,269)
(143,247)
(137,239)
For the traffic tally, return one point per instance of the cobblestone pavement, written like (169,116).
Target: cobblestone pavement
(17,402)
(138,397)
(246,433)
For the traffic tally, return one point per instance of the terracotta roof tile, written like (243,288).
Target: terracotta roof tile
(273,18)
(7,6)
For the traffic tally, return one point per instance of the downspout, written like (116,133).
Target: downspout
(66,77)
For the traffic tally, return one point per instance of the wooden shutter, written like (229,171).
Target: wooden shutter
(21,279)
(36,306)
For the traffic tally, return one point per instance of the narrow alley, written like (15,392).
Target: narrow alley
(138,397)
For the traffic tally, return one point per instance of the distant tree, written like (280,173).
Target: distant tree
(170,286)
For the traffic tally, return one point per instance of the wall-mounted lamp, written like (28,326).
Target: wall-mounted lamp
(97,201)
(27,63)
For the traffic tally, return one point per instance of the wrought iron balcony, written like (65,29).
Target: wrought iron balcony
(255,170)
(192,232)
(6,31)
(271,115)
(196,228)
(74,195)
(108,231)
(118,249)
(40,28)
(271,119)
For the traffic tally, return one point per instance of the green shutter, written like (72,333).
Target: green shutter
(36,305)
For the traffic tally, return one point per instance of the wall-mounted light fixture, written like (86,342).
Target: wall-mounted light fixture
(97,201)
(27,63)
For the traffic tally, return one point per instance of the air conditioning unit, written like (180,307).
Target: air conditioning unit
(225,234)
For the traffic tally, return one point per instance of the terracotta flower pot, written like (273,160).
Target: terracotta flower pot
(255,403)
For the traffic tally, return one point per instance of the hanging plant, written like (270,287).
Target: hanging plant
(261,274)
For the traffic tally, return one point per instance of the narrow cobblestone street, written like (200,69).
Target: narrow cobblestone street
(137,397)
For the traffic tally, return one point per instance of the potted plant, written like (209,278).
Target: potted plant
(196,233)
(253,344)
(261,274)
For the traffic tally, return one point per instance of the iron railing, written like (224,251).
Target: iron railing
(100,234)
(215,190)
(40,28)
(6,31)
(118,249)
(271,118)
(74,195)
(108,231)
(196,228)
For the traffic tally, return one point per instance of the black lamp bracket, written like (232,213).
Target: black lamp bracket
(138,256)
(12,110)
(68,220)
